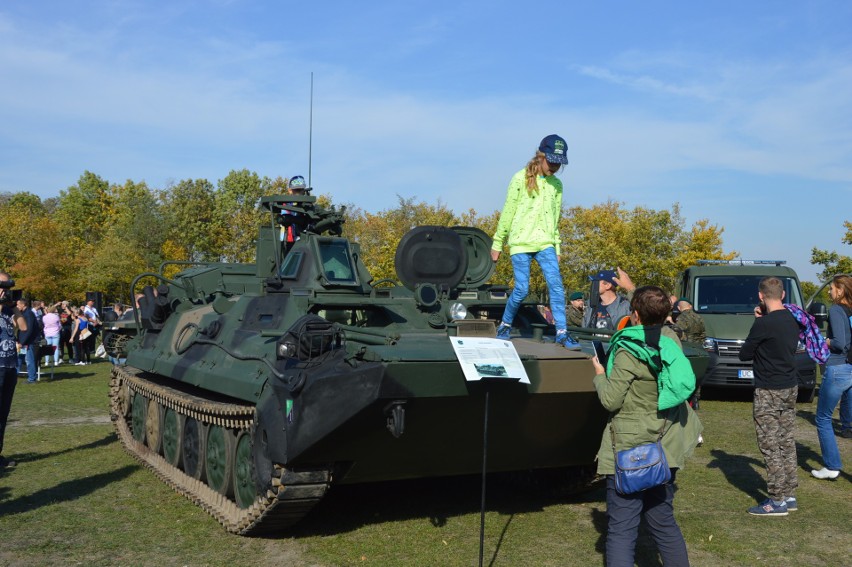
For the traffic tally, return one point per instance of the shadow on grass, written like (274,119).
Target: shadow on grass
(346,508)
(108,439)
(741,472)
(65,491)
(746,473)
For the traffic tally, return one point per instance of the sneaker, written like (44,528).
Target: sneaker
(700,440)
(503,331)
(564,339)
(825,473)
(847,433)
(81,363)
(792,504)
(769,508)
(7,463)
(58,362)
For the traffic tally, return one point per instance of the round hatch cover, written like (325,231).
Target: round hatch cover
(480,266)
(431,254)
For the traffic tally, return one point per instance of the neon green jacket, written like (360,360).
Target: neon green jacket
(675,379)
(531,222)
(629,390)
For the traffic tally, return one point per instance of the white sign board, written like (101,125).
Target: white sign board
(489,358)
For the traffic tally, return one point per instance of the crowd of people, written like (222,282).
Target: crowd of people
(35,334)
(54,332)
(630,385)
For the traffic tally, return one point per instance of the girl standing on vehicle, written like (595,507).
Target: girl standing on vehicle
(837,381)
(530,220)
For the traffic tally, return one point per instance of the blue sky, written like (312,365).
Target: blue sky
(739,111)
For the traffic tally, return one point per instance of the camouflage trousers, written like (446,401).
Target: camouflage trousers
(774,421)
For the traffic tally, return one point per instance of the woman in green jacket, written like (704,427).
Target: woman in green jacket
(634,393)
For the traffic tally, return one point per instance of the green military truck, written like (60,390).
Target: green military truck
(724,293)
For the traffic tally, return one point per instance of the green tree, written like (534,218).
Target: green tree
(238,215)
(379,234)
(651,246)
(18,213)
(83,208)
(832,262)
(191,220)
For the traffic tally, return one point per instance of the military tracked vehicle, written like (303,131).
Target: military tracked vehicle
(253,388)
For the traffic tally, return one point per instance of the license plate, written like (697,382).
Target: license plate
(745,374)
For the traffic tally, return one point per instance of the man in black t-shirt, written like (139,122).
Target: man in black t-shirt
(772,343)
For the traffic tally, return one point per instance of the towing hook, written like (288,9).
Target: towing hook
(395,414)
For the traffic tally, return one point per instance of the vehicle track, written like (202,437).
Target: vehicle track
(289,494)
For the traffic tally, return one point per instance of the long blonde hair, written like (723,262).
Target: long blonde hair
(535,167)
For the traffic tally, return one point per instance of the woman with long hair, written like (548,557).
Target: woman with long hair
(837,379)
(529,224)
(80,324)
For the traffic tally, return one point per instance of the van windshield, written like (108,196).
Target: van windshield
(736,293)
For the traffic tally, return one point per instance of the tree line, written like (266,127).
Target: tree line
(97,236)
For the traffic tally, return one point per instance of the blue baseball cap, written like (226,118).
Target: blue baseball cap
(605,275)
(555,149)
(297,183)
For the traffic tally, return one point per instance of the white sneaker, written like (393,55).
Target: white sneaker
(700,440)
(825,473)
(81,363)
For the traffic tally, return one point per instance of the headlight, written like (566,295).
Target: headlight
(458,311)
(710,345)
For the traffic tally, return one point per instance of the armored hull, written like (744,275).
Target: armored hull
(253,388)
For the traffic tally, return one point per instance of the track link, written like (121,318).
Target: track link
(290,494)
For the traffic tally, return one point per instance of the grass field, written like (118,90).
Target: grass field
(76,498)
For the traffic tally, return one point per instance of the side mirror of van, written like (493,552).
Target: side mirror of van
(819,312)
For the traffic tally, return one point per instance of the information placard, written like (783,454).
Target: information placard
(489,358)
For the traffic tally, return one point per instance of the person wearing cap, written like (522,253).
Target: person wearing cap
(529,224)
(690,322)
(612,308)
(575,309)
(295,186)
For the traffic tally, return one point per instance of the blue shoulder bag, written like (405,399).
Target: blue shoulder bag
(642,467)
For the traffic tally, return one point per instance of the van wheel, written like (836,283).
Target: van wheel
(805,396)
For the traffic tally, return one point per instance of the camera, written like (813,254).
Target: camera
(7,284)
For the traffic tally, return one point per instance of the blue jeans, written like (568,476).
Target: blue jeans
(624,514)
(549,264)
(57,356)
(32,364)
(835,387)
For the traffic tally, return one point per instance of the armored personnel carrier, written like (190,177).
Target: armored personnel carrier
(253,388)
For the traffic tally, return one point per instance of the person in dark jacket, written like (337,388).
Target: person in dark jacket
(771,344)
(10,321)
(29,339)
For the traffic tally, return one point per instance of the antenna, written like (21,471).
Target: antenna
(311,129)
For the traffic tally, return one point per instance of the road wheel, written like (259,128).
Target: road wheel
(172,436)
(154,426)
(138,409)
(245,490)
(219,459)
(193,447)
(805,396)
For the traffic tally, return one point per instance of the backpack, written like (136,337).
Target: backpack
(809,334)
